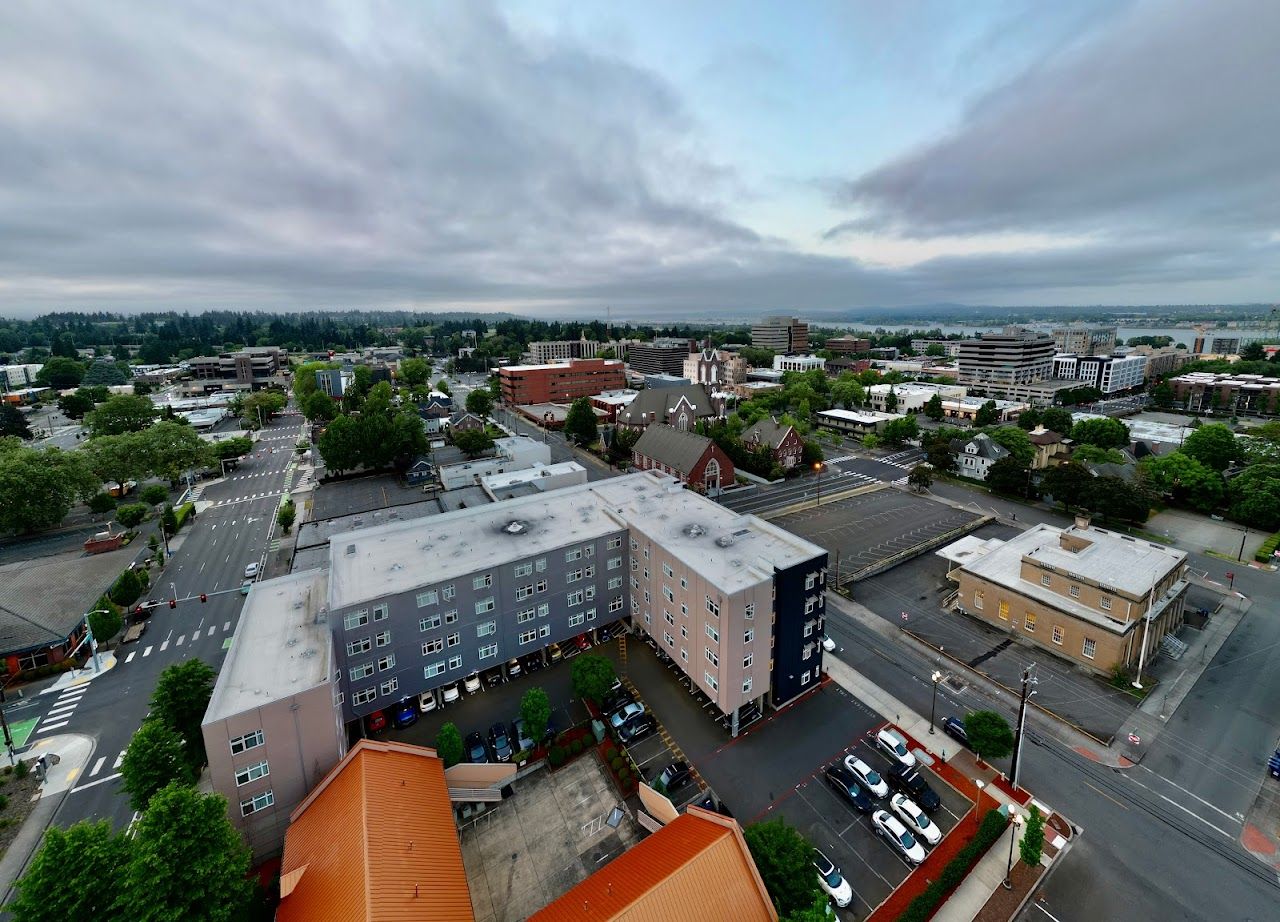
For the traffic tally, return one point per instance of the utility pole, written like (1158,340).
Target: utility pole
(1027,681)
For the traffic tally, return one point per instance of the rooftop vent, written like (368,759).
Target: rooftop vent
(351,550)
(693,531)
(515,527)
(725,541)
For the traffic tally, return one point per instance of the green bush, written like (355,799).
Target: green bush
(615,763)
(132,514)
(4,801)
(610,751)
(102,502)
(623,775)
(21,769)
(1268,548)
(575,747)
(923,906)
(556,756)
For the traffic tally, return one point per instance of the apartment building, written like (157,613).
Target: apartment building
(548,351)
(1163,361)
(560,383)
(664,356)
(1253,395)
(1085,340)
(999,361)
(1108,373)
(17,377)
(950,347)
(798,362)
(1092,596)
(252,367)
(785,335)
(848,345)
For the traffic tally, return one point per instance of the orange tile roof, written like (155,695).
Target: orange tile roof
(697,867)
(375,840)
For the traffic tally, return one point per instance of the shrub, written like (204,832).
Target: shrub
(4,801)
(556,756)
(923,906)
(575,747)
(615,763)
(20,770)
(1268,548)
(610,752)
(102,502)
(132,514)
(623,775)
(7,770)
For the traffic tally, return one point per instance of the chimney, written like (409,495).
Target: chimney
(1082,521)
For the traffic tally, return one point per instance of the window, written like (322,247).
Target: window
(635,565)
(615,542)
(1057,635)
(528,637)
(977,599)
(386,662)
(668,639)
(542,585)
(712,658)
(590,571)
(484,606)
(614,563)
(544,630)
(668,594)
(433,646)
(684,583)
(252,773)
(591,614)
(746,685)
(666,614)
(1004,610)
(390,687)
(807,652)
(1029,621)
(646,597)
(749,635)
(635,583)
(589,550)
(646,573)
(434,670)
(523,616)
(711,632)
(543,610)
(455,662)
(448,592)
(364,696)
(430,597)
(363,671)
(383,639)
(1105,603)
(748,660)
(749,611)
(684,610)
(711,680)
(573,576)
(540,564)
(684,654)
(484,630)
(575,620)
(573,554)
(810,580)
(615,583)
(808,629)
(380,612)
(684,630)
(615,604)
(590,592)
(484,581)
(1075,591)
(256,803)
(1046,580)
(1089,648)
(454,639)
(808,605)
(574,598)
(805,677)
(634,544)
(523,592)
(248,741)
(356,619)
(429,623)
(713,606)
(356,647)
(668,572)
(524,569)
(489,650)
(646,552)
(451,616)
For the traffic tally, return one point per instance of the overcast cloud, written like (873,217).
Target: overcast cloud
(433,155)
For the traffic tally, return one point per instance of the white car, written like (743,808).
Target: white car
(251,571)
(914,819)
(875,785)
(895,747)
(828,644)
(450,694)
(472,683)
(831,880)
(899,839)
(426,702)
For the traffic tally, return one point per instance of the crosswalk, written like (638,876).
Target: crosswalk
(248,498)
(182,639)
(258,474)
(60,713)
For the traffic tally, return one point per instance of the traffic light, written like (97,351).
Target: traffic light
(204,597)
(173,603)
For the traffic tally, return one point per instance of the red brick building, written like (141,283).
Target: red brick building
(694,459)
(783,442)
(560,383)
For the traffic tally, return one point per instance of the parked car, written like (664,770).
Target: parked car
(615,701)
(831,880)
(472,683)
(582,642)
(251,571)
(376,722)
(246,586)
(554,653)
(605,633)
(530,663)
(915,819)
(954,728)
(493,677)
(876,785)
(500,743)
(894,745)
(477,751)
(828,644)
(625,713)
(450,693)
(900,840)
(523,740)
(844,783)
(404,714)
(638,726)
(675,775)
(427,702)
(910,782)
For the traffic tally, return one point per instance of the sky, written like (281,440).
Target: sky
(659,159)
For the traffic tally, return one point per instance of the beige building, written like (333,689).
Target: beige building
(273,728)
(1086,594)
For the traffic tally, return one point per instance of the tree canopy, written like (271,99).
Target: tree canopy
(989,734)
(38,487)
(120,414)
(592,676)
(1184,479)
(1213,445)
(76,874)
(156,757)
(472,442)
(1105,433)
(449,744)
(535,710)
(785,862)
(1016,441)
(580,422)
(1067,483)
(179,701)
(898,431)
(480,402)
(1009,476)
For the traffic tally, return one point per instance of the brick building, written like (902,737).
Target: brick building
(560,383)
(693,459)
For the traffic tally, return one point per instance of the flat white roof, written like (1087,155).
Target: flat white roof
(731,551)
(565,364)
(281,645)
(529,474)
(861,416)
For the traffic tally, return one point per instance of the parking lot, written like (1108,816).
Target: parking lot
(862,530)
(335,498)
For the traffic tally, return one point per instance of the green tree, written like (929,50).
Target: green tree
(39,487)
(169,449)
(480,402)
(180,699)
(318,406)
(75,405)
(169,521)
(820,909)
(921,477)
(933,408)
(1096,455)
(756,357)
(1253,352)
(407,439)
(261,407)
(1067,483)
(286,515)
(897,431)
(102,502)
(1058,420)
(120,414)
(156,758)
(989,734)
(987,414)
(188,861)
(785,862)
(1254,495)
(341,445)
(1184,480)
(1162,395)
(103,374)
(60,373)
(580,422)
(105,624)
(442,386)
(1032,844)
(1029,419)
(414,372)
(891,400)
(472,442)
(811,453)
(535,710)
(131,515)
(1016,441)
(449,744)
(592,676)
(232,448)
(1214,446)
(621,443)
(1105,433)
(126,589)
(1115,498)
(154,494)
(74,875)
(115,459)
(1009,476)
(13,422)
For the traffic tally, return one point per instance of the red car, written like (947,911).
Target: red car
(376,721)
(582,642)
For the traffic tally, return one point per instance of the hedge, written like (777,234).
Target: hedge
(1268,548)
(924,905)
(183,512)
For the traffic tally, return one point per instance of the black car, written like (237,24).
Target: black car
(616,701)
(477,751)
(636,727)
(492,678)
(910,782)
(532,662)
(500,743)
(675,775)
(954,728)
(844,783)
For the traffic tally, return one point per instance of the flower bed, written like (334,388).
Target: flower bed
(622,770)
(567,746)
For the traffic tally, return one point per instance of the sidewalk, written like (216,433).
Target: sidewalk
(73,677)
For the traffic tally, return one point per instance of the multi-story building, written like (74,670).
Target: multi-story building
(334,381)
(967,408)
(999,361)
(1108,373)
(848,345)
(273,727)
(1254,395)
(560,383)
(1163,361)
(974,456)
(783,442)
(664,356)
(547,351)
(1085,340)
(17,377)
(950,347)
(798,362)
(252,367)
(910,397)
(785,335)
(695,460)
(1229,344)
(715,370)
(1098,598)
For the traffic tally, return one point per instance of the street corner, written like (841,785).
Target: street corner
(61,759)
(77,677)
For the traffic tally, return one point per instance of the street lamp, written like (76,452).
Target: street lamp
(88,633)
(817,466)
(1016,821)
(933,707)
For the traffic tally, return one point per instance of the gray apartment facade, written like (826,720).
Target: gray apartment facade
(1004,360)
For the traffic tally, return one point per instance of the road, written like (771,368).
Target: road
(210,558)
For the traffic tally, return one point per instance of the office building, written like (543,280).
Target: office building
(950,347)
(18,377)
(665,355)
(1163,361)
(546,352)
(847,345)
(1251,395)
(798,362)
(1110,374)
(247,368)
(1000,361)
(1085,340)
(784,335)
(559,383)
(1227,344)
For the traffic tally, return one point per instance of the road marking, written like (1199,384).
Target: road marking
(181,638)
(1046,912)
(60,710)
(129,658)
(227,626)
(1101,794)
(94,783)
(119,759)
(1190,794)
(1172,802)
(74,692)
(147,652)
(195,635)
(47,727)
(97,766)
(164,646)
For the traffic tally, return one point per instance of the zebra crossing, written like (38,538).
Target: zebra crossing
(248,497)
(258,474)
(60,713)
(182,639)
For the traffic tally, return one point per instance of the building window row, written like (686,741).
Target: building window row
(256,803)
(246,742)
(252,773)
